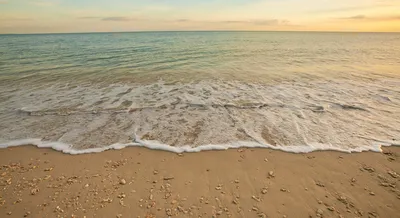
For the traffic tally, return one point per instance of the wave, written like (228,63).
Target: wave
(300,117)
(155,145)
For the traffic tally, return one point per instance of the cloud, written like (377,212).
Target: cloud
(16,19)
(88,18)
(356,17)
(182,20)
(116,19)
(362,17)
(45,3)
(266,22)
(375,5)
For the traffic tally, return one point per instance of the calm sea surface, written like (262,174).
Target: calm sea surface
(296,91)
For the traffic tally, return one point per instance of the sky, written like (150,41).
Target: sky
(60,16)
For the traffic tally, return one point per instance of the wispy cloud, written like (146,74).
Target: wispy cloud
(362,17)
(377,4)
(265,22)
(88,18)
(16,19)
(182,20)
(45,3)
(106,18)
(116,19)
(356,17)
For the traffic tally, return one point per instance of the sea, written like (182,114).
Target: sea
(195,91)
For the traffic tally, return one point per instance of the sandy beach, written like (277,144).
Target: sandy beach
(138,182)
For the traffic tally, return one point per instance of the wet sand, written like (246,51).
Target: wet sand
(138,182)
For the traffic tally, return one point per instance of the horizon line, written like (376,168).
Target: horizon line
(154,31)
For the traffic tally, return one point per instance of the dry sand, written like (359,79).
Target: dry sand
(137,182)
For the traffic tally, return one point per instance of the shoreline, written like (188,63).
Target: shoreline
(244,182)
(157,146)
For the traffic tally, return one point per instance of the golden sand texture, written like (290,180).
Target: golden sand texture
(137,182)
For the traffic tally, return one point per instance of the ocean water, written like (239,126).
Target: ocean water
(193,91)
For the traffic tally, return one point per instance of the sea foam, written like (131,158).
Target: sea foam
(339,115)
(155,145)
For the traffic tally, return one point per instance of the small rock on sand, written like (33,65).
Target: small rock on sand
(34,191)
(319,212)
(256,198)
(331,208)
(122,182)
(264,191)
(271,174)
(168,178)
(393,174)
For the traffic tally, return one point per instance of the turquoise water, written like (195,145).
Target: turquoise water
(294,91)
(149,56)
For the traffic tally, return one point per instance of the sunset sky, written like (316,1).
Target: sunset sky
(44,16)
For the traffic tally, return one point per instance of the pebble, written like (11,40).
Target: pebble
(271,174)
(168,212)
(119,215)
(393,174)
(254,208)
(369,169)
(236,181)
(256,198)
(262,215)
(264,191)
(331,208)
(168,177)
(27,214)
(372,193)
(34,191)
(319,212)
(9,213)
(122,182)
(318,183)
(266,160)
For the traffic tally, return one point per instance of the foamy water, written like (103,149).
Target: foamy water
(292,92)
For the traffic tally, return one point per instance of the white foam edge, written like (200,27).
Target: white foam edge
(155,145)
